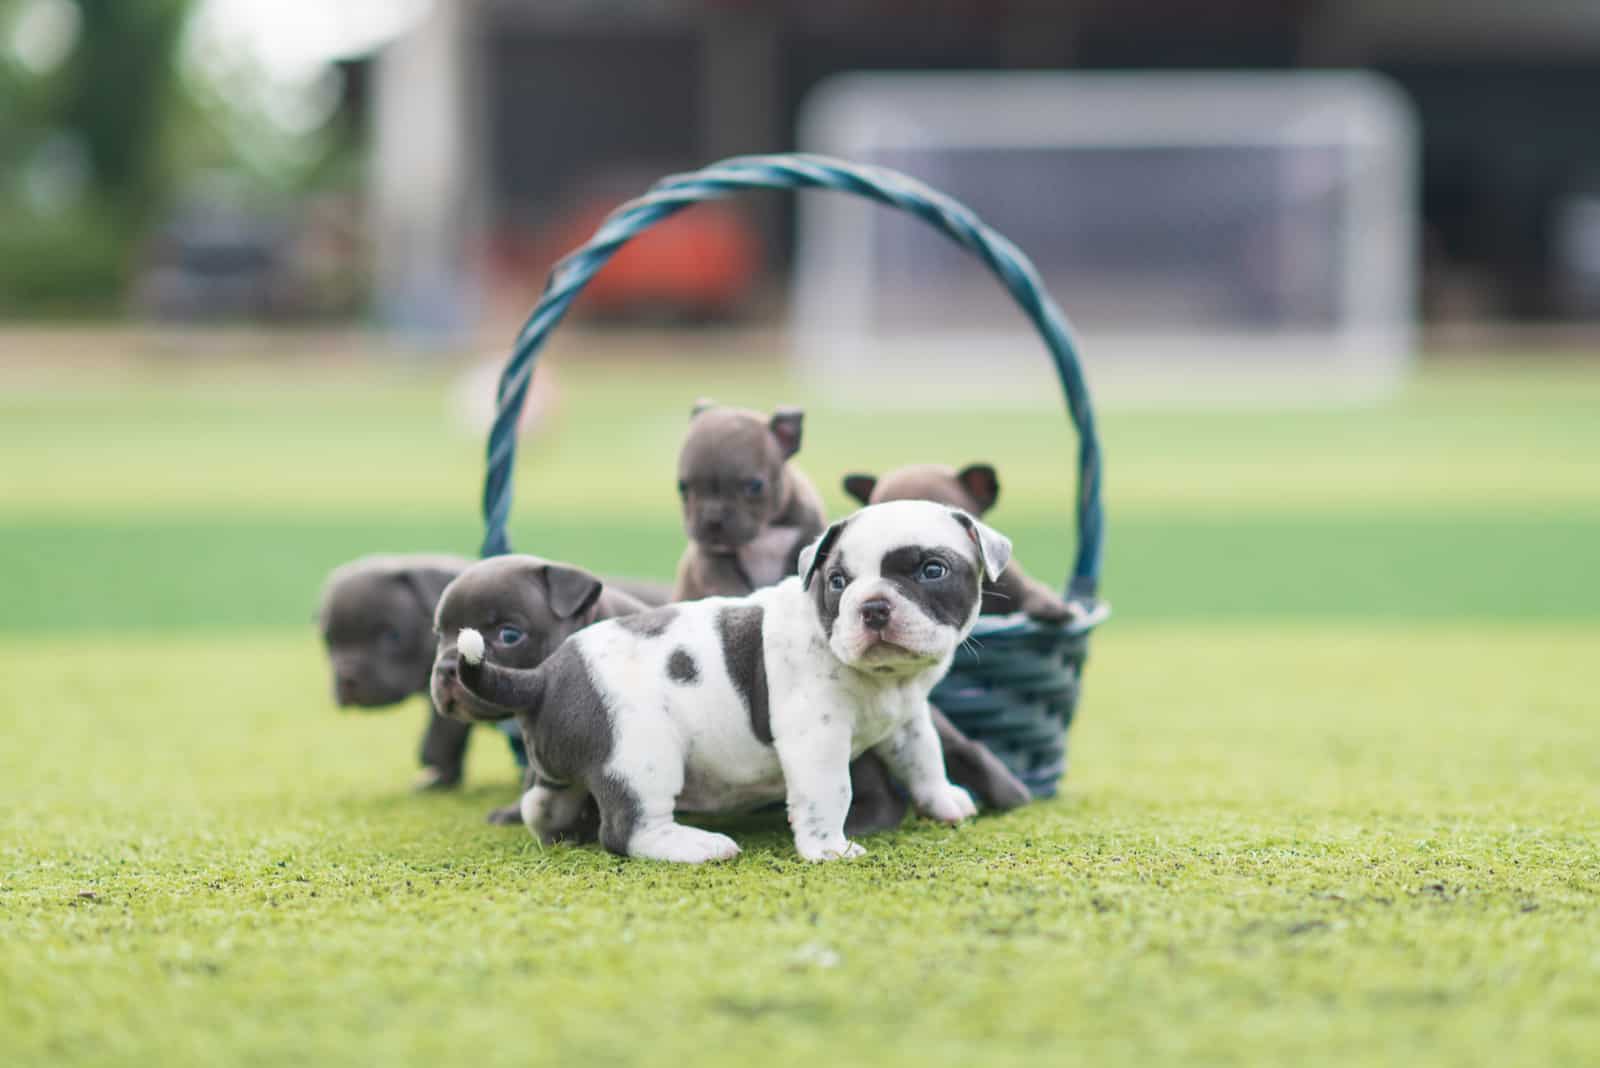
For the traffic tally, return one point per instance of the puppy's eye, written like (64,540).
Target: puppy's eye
(932,571)
(837,582)
(753,486)
(510,635)
(683,488)
(389,636)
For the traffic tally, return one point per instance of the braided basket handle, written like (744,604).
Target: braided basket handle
(800,171)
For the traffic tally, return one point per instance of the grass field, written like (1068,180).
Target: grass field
(1335,794)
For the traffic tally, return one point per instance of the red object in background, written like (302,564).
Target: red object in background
(701,263)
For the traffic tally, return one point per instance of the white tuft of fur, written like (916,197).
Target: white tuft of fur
(469,643)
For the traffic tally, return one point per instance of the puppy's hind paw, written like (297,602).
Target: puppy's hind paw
(506,816)
(682,845)
(1048,608)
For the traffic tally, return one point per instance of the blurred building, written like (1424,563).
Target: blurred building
(496,120)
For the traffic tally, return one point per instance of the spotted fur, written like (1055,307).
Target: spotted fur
(607,712)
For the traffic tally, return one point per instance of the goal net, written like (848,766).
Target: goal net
(1213,238)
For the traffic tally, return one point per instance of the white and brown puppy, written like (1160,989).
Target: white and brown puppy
(747,510)
(729,703)
(973,489)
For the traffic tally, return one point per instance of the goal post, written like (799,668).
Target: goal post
(1215,238)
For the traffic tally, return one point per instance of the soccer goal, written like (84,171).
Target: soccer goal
(1214,238)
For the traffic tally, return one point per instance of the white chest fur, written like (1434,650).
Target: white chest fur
(766,560)
(701,740)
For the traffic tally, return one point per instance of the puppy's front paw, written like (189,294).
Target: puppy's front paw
(432,778)
(949,804)
(817,851)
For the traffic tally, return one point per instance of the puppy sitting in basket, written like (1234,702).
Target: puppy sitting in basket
(730,703)
(973,489)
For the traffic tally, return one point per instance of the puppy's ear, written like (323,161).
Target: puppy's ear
(860,487)
(571,591)
(994,548)
(701,405)
(785,425)
(815,555)
(427,586)
(980,481)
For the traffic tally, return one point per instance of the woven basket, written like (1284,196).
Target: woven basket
(1016,688)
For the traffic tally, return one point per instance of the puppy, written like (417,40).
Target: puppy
(747,510)
(377,624)
(974,489)
(728,703)
(532,605)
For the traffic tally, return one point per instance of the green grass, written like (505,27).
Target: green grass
(1335,794)
(1274,846)
(190,572)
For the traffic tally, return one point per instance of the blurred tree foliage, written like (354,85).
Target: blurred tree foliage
(121,88)
(112,112)
(83,143)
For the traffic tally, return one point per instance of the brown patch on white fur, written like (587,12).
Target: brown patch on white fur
(973,489)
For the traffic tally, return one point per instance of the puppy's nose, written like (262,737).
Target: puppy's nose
(875,613)
(445,669)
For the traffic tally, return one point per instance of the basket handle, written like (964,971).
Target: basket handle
(800,171)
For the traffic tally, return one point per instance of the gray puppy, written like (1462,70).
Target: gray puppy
(973,489)
(377,624)
(529,606)
(747,510)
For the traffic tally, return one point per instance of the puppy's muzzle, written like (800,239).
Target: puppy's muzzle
(446,689)
(458,689)
(714,534)
(876,614)
(346,690)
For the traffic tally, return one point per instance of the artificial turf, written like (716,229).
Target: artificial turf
(1334,798)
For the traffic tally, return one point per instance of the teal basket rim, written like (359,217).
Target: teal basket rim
(1016,624)
(800,171)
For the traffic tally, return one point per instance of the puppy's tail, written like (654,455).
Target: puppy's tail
(513,689)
